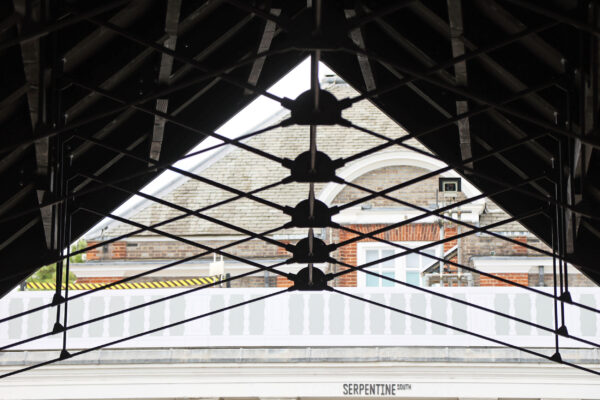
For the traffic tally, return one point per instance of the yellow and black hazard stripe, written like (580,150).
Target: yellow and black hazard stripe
(199,281)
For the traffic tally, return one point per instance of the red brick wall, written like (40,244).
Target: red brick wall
(119,250)
(520,250)
(448,232)
(94,254)
(523,279)
(116,251)
(283,282)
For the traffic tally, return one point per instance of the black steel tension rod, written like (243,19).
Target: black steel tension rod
(461,330)
(199,215)
(466,303)
(158,166)
(142,274)
(191,242)
(191,175)
(21,370)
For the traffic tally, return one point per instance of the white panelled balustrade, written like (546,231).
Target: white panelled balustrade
(301,318)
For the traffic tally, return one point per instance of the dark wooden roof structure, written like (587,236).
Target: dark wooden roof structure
(505,91)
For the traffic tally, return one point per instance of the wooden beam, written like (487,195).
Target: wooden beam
(34,70)
(164,74)
(264,45)
(460,72)
(363,61)
(24,228)
(509,24)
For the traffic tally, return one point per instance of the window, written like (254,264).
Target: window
(449,185)
(406,268)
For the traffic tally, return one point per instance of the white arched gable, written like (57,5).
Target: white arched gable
(394,158)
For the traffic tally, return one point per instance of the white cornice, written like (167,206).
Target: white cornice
(357,215)
(194,379)
(516,264)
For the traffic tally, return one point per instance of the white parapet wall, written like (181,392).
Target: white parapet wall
(301,318)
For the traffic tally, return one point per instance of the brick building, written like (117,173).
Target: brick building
(246,171)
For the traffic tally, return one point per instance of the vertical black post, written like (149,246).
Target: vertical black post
(555,297)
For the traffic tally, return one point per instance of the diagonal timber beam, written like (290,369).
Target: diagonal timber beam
(91,43)
(434,68)
(164,74)
(63,23)
(510,24)
(558,16)
(34,68)
(460,72)
(264,45)
(363,62)
(20,232)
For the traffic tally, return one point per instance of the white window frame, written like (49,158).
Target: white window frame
(399,263)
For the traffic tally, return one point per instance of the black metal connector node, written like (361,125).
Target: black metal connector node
(57,299)
(301,252)
(556,357)
(64,355)
(301,171)
(304,112)
(566,297)
(562,331)
(301,217)
(302,280)
(57,328)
